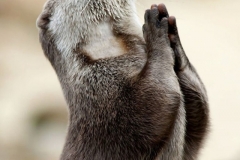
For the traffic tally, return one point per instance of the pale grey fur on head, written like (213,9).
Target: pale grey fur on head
(72,21)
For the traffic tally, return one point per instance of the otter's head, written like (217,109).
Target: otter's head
(68,22)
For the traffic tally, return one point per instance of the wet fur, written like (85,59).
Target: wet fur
(145,101)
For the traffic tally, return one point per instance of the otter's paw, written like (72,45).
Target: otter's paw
(155,29)
(181,60)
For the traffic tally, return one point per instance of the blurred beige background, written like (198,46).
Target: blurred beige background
(33,113)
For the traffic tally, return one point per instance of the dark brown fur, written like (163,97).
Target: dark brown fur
(127,107)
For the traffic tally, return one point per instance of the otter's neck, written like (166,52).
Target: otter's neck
(102,43)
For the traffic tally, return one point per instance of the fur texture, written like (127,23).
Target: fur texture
(128,98)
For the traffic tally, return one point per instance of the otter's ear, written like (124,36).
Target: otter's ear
(43,20)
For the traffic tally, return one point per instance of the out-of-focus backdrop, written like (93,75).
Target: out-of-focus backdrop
(33,113)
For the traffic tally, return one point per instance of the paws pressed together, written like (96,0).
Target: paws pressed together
(162,28)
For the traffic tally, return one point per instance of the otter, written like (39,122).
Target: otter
(131,95)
